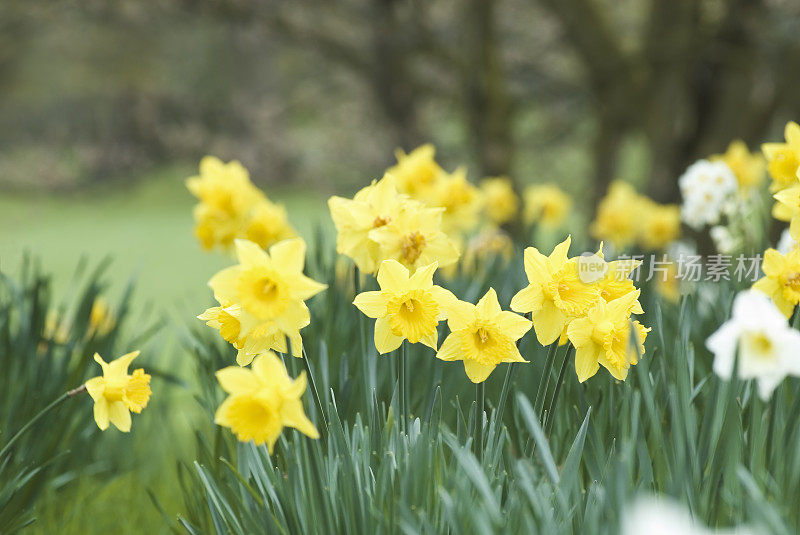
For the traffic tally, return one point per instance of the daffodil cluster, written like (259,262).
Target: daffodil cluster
(625,218)
(588,299)
(379,223)
(232,207)
(262,299)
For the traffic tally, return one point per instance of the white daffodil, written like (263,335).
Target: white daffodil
(664,516)
(706,188)
(766,344)
(786,243)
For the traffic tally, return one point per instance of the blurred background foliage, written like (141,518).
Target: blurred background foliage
(317,93)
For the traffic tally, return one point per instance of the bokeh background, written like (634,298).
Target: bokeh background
(106,107)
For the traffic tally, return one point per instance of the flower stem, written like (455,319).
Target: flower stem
(478,440)
(362,335)
(550,419)
(53,405)
(313,385)
(401,386)
(504,393)
(544,382)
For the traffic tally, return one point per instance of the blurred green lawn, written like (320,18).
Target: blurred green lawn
(146,228)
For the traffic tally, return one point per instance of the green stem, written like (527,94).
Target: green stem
(552,407)
(401,386)
(544,382)
(362,335)
(478,441)
(54,404)
(313,385)
(504,393)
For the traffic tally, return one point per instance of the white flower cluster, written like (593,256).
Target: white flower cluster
(706,187)
(766,344)
(652,515)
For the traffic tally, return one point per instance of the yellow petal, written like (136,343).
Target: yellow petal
(461,314)
(250,254)
(293,415)
(580,331)
(792,135)
(476,371)
(445,299)
(243,358)
(385,340)
(794,228)
(431,339)
(236,380)
(489,306)
(372,304)
(586,364)
(537,267)
(451,348)
(119,366)
(513,325)
(423,276)
(120,416)
(224,284)
(95,387)
(101,413)
(548,323)
(289,255)
(392,275)
(559,255)
(528,299)
(773,263)
(269,368)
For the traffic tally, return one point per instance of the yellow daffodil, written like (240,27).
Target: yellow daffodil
(782,279)
(101,319)
(267,224)
(373,207)
(262,401)
(603,337)
(117,393)
(266,284)
(500,202)
(659,224)
(749,168)
(416,171)
(251,336)
(617,216)
(555,293)
(262,299)
(460,199)
(783,159)
(668,284)
(546,204)
(788,209)
(415,238)
(486,247)
(482,336)
(406,307)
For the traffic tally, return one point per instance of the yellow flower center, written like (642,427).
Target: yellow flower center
(254,417)
(381,221)
(484,344)
(115,388)
(262,293)
(568,292)
(413,315)
(758,345)
(412,247)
